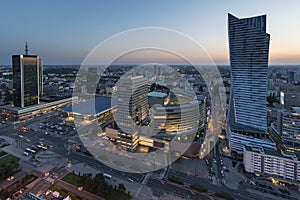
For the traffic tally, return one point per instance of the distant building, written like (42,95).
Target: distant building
(157,70)
(297,77)
(27,79)
(249,51)
(282,165)
(291,99)
(291,77)
(92,80)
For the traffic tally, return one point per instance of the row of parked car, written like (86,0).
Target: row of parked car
(34,149)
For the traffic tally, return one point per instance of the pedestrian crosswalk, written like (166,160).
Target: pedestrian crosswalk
(146,178)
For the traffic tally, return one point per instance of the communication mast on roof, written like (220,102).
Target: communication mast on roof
(26,49)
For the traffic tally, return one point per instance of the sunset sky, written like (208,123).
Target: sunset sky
(64,32)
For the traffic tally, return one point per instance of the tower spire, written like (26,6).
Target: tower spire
(26,48)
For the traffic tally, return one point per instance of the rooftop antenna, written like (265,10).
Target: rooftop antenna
(26,49)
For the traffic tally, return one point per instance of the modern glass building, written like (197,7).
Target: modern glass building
(182,118)
(132,108)
(249,51)
(27,80)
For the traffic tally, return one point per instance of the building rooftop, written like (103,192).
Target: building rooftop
(296,110)
(282,154)
(57,97)
(92,107)
(29,109)
(157,94)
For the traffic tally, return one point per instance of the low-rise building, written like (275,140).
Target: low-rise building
(280,164)
(38,108)
(100,108)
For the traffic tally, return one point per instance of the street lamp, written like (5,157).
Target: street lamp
(10,178)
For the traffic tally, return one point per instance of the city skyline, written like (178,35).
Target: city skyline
(64,33)
(149,100)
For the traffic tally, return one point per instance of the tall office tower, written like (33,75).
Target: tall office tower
(92,80)
(132,108)
(156,70)
(41,85)
(249,50)
(27,79)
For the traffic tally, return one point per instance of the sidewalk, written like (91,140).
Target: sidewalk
(267,195)
(9,140)
(73,189)
(83,169)
(233,177)
(19,175)
(137,190)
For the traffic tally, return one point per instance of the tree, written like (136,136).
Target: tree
(200,88)
(121,187)
(224,195)
(198,187)
(99,177)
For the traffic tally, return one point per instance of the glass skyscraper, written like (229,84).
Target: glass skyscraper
(132,108)
(27,80)
(249,51)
